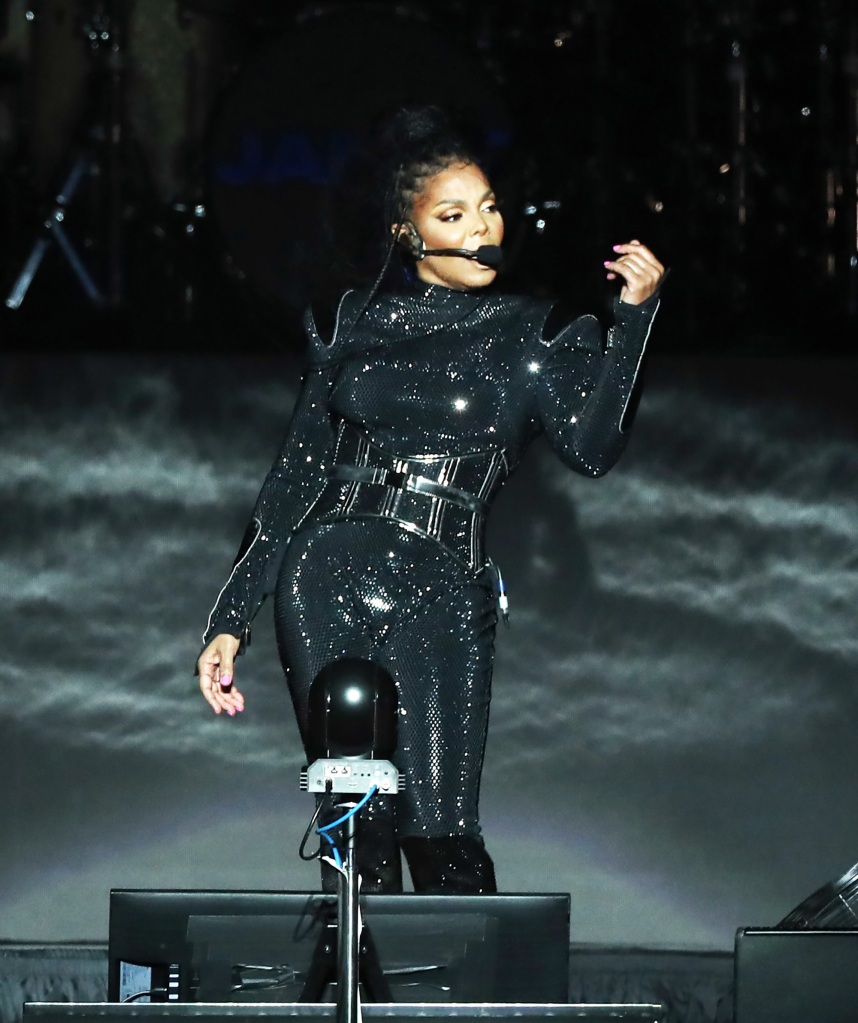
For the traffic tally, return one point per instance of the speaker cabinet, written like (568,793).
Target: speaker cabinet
(796,976)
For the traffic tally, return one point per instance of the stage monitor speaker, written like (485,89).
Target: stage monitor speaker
(380,1012)
(251,946)
(796,976)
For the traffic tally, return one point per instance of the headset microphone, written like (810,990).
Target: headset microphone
(409,238)
(488,255)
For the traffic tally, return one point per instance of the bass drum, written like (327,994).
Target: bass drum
(290,122)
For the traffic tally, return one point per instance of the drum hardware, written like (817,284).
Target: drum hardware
(851,70)
(97,153)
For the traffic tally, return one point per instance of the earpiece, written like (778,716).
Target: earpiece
(411,241)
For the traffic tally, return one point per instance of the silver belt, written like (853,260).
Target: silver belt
(411,483)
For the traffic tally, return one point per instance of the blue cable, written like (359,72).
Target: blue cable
(334,824)
(336,852)
(351,813)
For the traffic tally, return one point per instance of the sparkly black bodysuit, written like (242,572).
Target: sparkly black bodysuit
(369,528)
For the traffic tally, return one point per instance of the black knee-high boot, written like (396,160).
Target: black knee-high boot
(458,864)
(376,857)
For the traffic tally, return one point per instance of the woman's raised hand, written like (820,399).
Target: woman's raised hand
(215,668)
(640,270)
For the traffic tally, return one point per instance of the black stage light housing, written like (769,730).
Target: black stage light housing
(352,711)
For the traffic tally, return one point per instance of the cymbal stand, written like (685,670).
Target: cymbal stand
(851,65)
(737,76)
(99,151)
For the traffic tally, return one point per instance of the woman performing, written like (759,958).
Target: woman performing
(416,407)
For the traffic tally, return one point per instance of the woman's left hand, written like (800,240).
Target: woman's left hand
(640,270)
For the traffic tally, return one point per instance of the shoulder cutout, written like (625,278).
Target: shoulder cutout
(559,317)
(324,318)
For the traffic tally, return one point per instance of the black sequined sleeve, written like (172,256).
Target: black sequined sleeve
(291,486)
(586,390)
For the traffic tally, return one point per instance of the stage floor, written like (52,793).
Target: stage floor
(695,986)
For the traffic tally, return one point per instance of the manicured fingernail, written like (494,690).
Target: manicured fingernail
(226,680)
(616,248)
(606,263)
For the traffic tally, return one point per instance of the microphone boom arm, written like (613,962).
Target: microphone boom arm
(488,255)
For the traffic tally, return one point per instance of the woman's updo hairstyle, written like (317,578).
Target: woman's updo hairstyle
(376,193)
(414,144)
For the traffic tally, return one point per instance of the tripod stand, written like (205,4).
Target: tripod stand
(345,951)
(97,153)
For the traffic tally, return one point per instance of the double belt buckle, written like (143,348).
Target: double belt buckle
(392,478)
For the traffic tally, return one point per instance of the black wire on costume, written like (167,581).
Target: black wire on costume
(394,202)
(398,224)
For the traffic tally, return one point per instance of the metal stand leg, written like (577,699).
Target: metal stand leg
(345,952)
(851,65)
(348,966)
(53,231)
(103,128)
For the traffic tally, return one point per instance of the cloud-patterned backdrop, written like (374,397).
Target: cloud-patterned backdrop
(672,735)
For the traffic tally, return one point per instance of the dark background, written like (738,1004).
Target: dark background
(672,723)
(723,134)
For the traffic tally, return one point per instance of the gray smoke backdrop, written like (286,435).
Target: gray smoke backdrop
(672,735)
